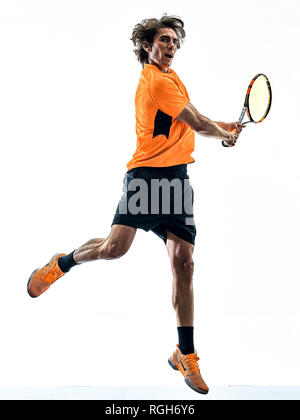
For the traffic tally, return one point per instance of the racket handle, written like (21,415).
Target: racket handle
(242,114)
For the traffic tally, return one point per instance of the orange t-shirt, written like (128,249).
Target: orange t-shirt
(162,140)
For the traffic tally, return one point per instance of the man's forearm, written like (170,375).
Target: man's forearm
(201,124)
(209,128)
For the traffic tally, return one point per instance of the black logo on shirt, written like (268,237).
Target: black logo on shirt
(162,124)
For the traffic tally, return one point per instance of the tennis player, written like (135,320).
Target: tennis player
(157,194)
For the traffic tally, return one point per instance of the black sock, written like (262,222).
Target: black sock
(186,339)
(66,263)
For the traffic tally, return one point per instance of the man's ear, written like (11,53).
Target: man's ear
(147,47)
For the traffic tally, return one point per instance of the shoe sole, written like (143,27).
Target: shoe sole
(194,388)
(29,282)
(172,364)
(186,380)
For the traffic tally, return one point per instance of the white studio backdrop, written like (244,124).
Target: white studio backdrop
(67,83)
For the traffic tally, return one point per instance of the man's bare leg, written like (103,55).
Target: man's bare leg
(184,358)
(114,246)
(182,265)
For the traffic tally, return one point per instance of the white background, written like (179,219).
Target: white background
(67,84)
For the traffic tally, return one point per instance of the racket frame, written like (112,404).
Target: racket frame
(246,104)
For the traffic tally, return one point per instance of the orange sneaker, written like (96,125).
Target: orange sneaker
(188,366)
(41,279)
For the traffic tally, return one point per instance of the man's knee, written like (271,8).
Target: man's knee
(115,250)
(117,243)
(111,250)
(183,265)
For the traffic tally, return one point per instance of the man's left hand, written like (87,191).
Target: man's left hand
(235,127)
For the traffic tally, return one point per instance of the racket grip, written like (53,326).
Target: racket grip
(224,144)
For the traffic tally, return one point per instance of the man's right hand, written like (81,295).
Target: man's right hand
(231,138)
(231,129)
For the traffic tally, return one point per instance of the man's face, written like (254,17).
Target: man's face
(163,49)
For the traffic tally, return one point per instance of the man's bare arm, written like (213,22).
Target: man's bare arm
(206,127)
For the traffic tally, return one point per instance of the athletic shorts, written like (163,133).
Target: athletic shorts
(160,200)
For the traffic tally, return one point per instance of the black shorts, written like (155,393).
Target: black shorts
(160,200)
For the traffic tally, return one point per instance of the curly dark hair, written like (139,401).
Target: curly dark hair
(147,29)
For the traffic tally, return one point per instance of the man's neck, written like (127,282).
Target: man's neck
(162,69)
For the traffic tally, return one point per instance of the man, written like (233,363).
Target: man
(165,126)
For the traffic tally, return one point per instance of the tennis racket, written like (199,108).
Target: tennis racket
(257,102)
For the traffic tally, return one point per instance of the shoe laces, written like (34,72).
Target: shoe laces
(191,361)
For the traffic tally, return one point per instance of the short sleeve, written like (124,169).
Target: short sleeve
(167,97)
